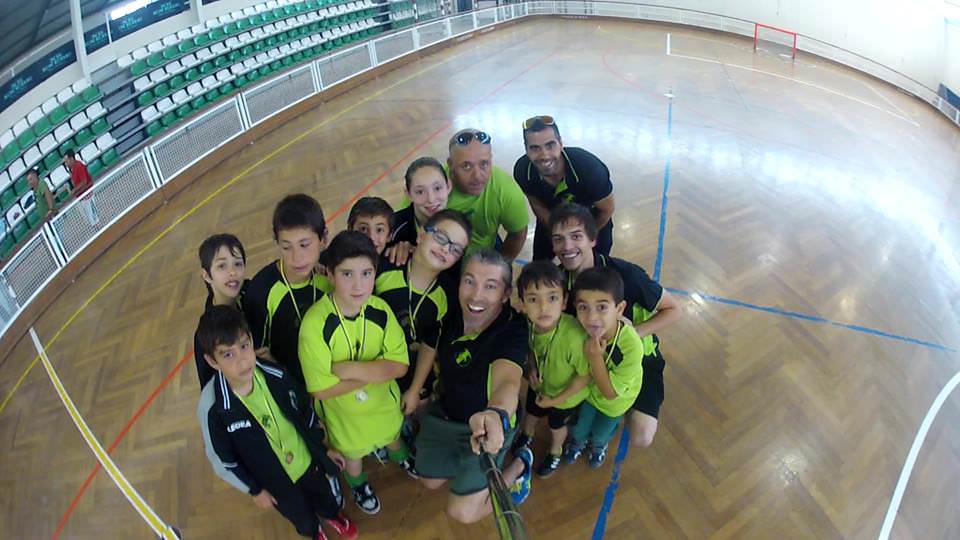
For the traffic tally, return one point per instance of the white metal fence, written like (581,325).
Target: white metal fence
(125,186)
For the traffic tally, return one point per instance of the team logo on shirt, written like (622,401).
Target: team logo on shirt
(239,424)
(463,358)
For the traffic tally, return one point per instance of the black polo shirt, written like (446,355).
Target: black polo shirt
(465,360)
(587,180)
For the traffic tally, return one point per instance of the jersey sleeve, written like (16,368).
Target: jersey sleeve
(394,340)
(595,178)
(513,205)
(520,169)
(629,373)
(255,310)
(647,290)
(513,344)
(219,448)
(315,357)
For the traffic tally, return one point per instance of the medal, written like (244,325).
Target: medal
(361,395)
(289,457)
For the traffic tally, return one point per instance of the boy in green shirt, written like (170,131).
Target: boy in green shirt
(615,355)
(559,373)
(264,437)
(352,349)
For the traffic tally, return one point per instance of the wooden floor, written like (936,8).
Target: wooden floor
(799,186)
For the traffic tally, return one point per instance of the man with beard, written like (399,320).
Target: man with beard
(550,175)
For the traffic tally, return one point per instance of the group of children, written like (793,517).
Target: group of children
(327,355)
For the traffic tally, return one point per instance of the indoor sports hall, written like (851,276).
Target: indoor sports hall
(789,171)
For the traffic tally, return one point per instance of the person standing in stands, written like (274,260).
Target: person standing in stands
(46,207)
(80,178)
(551,174)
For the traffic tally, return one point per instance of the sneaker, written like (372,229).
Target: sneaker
(520,489)
(344,527)
(366,499)
(409,467)
(597,456)
(381,455)
(573,452)
(548,466)
(320,535)
(523,440)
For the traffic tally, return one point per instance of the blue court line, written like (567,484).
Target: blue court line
(816,319)
(601,525)
(663,198)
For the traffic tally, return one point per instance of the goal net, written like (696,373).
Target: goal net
(775,41)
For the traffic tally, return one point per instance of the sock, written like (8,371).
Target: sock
(355,481)
(399,454)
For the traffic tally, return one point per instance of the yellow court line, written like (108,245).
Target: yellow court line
(205,201)
(159,527)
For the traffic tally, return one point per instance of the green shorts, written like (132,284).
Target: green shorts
(443,451)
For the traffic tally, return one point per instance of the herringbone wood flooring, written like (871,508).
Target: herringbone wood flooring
(781,194)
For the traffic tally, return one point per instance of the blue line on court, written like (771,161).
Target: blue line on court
(663,199)
(601,525)
(816,319)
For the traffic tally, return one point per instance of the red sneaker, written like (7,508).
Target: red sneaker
(344,527)
(320,535)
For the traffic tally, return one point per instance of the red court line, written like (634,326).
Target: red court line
(337,213)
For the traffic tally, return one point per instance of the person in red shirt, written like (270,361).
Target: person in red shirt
(79,176)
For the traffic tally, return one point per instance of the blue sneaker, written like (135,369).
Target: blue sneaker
(597,456)
(520,489)
(573,452)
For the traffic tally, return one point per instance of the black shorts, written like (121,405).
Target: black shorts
(556,418)
(651,392)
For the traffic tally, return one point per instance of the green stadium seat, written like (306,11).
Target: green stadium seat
(139,67)
(42,127)
(216,34)
(186,46)
(74,104)
(6,245)
(312,5)
(197,103)
(26,139)
(268,16)
(154,128)
(95,168)
(184,110)
(52,160)
(178,82)
(109,157)
(193,74)
(145,98)
(99,126)
(201,40)
(234,57)
(91,94)
(298,57)
(21,187)
(231,29)
(263,71)
(168,119)
(255,20)
(243,24)
(155,59)
(21,230)
(206,68)
(11,152)
(221,61)
(162,89)
(7,198)
(83,137)
(59,115)
(170,53)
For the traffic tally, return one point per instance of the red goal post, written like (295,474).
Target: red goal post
(785,38)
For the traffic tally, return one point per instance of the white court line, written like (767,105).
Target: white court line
(798,81)
(668,43)
(912,457)
(883,97)
(161,529)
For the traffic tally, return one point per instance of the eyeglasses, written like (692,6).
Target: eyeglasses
(464,138)
(544,119)
(441,237)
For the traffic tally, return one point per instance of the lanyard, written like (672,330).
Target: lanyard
(613,345)
(266,421)
(546,354)
(296,307)
(343,327)
(413,311)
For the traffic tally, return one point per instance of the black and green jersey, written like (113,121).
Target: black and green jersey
(642,294)
(275,308)
(465,360)
(204,371)
(624,359)
(361,421)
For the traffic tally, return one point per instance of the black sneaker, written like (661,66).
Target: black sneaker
(573,452)
(409,466)
(335,490)
(366,499)
(523,440)
(548,466)
(597,456)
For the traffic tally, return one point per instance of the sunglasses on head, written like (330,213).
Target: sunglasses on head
(543,119)
(464,138)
